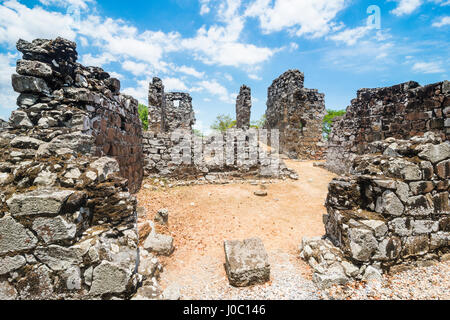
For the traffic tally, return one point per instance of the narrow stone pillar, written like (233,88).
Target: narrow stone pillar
(156,110)
(243,108)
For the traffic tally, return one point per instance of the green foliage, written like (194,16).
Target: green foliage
(198,133)
(223,123)
(143,115)
(259,124)
(328,121)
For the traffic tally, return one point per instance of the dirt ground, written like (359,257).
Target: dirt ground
(202,217)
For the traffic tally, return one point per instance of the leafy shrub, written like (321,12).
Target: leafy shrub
(328,121)
(143,115)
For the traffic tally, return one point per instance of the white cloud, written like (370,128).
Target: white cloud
(174,84)
(215,88)
(220,44)
(293,46)
(190,71)
(83,4)
(351,36)
(445,21)
(7,95)
(18,21)
(308,17)
(215,46)
(98,61)
(116,75)
(254,77)
(428,67)
(204,7)
(119,41)
(140,92)
(228,76)
(138,69)
(84,41)
(406,7)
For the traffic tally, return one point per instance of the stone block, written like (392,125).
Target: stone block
(27,84)
(246,262)
(48,201)
(14,237)
(33,68)
(435,153)
(109,278)
(54,229)
(443,169)
(389,204)
(415,246)
(159,244)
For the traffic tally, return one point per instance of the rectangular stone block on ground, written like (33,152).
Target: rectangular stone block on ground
(246,262)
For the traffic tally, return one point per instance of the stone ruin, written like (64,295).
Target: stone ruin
(3,124)
(391,210)
(73,155)
(295,111)
(178,156)
(171,126)
(70,159)
(401,111)
(243,108)
(298,113)
(169,111)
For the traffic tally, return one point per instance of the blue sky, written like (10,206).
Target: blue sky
(209,48)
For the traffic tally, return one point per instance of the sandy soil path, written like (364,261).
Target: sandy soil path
(202,217)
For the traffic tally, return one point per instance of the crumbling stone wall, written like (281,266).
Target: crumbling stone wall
(205,159)
(67,218)
(393,210)
(243,108)
(164,139)
(298,113)
(400,111)
(3,124)
(169,111)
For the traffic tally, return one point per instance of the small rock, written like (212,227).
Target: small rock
(162,216)
(246,262)
(160,244)
(172,292)
(145,228)
(372,274)
(260,193)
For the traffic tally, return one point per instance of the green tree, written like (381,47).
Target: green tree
(223,123)
(259,124)
(143,115)
(198,133)
(328,121)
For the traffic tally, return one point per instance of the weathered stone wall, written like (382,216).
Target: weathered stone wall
(156,101)
(169,111)
(3,124)
(67,218)
(394,210)
(298,113)
(59,96)
(212,164)
(243,108)
(401,111)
